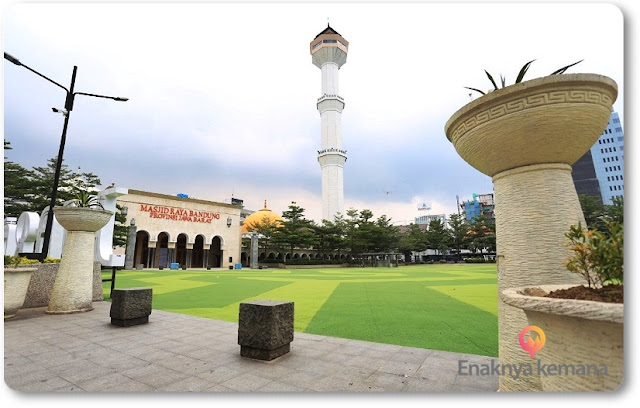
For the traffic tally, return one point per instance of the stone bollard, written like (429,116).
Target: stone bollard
(265,329)
(130,306)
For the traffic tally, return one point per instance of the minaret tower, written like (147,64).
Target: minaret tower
(329,53)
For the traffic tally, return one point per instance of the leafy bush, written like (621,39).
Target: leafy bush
(13,261)
(474,260)
(597,256)
(51,260)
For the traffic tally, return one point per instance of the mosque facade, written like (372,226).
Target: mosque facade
(191,232)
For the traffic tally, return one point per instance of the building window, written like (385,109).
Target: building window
(617,158)
(610,188)
(618,129)
(619,138)
(616,120)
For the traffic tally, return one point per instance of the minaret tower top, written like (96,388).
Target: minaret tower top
(329,46)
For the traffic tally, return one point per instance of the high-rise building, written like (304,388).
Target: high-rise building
(481,204)
(605,160)
(329,53)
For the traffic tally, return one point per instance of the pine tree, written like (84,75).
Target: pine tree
(17,187)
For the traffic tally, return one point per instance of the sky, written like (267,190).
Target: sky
(222,96)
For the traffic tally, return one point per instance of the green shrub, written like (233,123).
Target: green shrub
(14,261)
(51,260)
(597,256)
(474,260)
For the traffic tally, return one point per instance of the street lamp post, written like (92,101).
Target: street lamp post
(68,107)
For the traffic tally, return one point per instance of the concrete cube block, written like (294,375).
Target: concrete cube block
(265,328)
(130,306)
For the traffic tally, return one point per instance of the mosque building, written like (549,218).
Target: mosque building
(178,229)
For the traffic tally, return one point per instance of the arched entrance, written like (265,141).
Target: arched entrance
(162,251)
(181,250)
(141,252)
(197,256)
(215,253)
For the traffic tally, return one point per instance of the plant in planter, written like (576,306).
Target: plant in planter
(583,324)
(520,76)
(72,290)
(526,136)
(17,275)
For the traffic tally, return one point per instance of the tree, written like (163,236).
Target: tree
(438,237)
(593,211)
(482,235)
(69,185)
(17,187)
(615,211)
(296,231)
(412,240)
(120,228)
(458,229)
(267,228)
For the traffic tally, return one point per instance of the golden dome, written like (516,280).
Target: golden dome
(262,216)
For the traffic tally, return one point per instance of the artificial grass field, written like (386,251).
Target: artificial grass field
(449,307)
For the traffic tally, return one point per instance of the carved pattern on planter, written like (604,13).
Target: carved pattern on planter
(529,102)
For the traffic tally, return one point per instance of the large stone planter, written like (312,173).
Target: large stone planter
(526,136)
(579,333)
(16,282)
(72,290)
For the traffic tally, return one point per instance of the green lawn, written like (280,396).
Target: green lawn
(442,307)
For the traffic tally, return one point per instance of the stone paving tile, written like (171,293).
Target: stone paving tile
(189,384)
(334,384)
(275,386)
(336,340)
(220,374)
(18,371)
(219,388)
(299,378)
(103,382)
(80,371)
(435,384)
(389,382)
(156,376)
(115,361)
(16,380)
(337,357)
(365,362)
(186,353)
(184,364)
(477,382)
(399,368)
(368,388)
(130,386)
(246,382)
(53,358)
(48,384)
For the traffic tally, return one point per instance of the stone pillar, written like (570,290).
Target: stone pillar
(254,250)
(73,287)
(131,246)
(535,206)
(151,257)
(188,260)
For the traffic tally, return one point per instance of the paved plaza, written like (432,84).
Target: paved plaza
(174,352)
